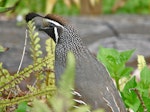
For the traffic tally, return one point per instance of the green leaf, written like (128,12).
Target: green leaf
(99,110)
(105,52)
(39,106)
(82,109)
(2,49)
(144,84)
(113,57)
(37,47)
(109,57)
(36,41)
(63,99)
(125,55)
(10,3)
(126,71)
(144,76)
(22,107)
(129,96)
(147,103)
(129,85)
(67,79)
(5,9)
(115,62)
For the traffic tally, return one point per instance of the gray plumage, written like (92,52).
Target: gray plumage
(92,80)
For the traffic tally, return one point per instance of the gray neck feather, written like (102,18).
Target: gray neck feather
(68,41)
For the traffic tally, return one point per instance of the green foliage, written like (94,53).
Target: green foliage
(107,6)
(135,94)
(62,101)
(50,48)
(45,97)
(40,96)
(34,42)
(27,97)
(4,77)
(22,107)
(115,63)
(130,98)
(136,6)
(130,6)
(23,7)
(9,90)
(65,84)
(5,9)
(61,8)
(39,106)
(35,49)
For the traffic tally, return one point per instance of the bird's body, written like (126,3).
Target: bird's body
(92,80)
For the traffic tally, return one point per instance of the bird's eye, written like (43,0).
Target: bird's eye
(51,25)
(48,24)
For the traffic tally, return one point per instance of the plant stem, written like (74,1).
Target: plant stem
(117,83)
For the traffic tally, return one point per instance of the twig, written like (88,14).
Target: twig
(23,53)
(140,98)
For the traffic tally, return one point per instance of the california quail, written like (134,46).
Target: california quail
(92,81)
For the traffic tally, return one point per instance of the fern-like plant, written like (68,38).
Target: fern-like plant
(63,101)
(44,85)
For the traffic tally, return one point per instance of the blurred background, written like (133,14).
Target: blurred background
(77,7)
(119,24)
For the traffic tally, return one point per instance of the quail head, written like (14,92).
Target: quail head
(92,81)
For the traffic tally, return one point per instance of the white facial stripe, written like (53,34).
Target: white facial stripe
(56,34)
(54,22)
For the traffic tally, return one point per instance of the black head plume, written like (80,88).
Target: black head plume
(31,16)
(52,25)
